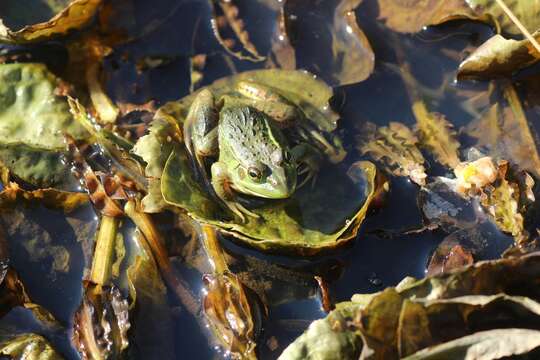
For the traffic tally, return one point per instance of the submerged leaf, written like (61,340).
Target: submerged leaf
(226,13)
(395,146)
(437,135)
(16,19)
(29,347)
(412,16)
(152,330)
(503,129)
(354,59)
(498,57)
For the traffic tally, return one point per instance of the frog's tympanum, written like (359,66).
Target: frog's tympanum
(237,154)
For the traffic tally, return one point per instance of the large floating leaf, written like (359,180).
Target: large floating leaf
(33,123)
(310,221)
(503,129)
(454,313)
(40,20)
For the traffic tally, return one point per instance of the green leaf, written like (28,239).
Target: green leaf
(41,20)
(308,222)
(33,123)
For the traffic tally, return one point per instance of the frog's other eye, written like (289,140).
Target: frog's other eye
(254,173)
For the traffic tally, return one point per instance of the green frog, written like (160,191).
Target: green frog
(254,157)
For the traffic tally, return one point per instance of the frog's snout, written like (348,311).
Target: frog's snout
(283,185)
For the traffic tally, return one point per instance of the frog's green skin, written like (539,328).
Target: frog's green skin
(254,157)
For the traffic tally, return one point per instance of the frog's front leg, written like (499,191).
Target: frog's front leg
(222,186)
(309,159)
(200,129)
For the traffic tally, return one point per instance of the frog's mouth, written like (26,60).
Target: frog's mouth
(273,188)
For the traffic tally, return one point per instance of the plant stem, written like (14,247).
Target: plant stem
(213,249)
(104,252)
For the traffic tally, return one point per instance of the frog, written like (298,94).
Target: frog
(244,132)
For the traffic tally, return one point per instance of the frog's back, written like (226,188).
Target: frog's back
(248,134)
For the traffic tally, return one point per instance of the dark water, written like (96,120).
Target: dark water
(176,30)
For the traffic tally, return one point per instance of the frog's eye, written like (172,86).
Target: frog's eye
(254,173)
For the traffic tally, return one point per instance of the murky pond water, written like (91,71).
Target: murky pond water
(387,248)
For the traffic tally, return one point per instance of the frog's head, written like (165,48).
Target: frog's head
(274,179)
(258,156)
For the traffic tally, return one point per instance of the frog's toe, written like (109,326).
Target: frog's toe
(311,174)
(241,210)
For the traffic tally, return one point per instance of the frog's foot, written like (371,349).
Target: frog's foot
(311,174)
(240,210)
(223,189)
(308,159)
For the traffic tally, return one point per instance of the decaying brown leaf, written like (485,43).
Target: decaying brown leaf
(410,16)
(76,15)
(283,52)
(527,11)
(231,311)
(52,198)
(499,57)
(449,258)
(101,323)
(439,317)
(395,147)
